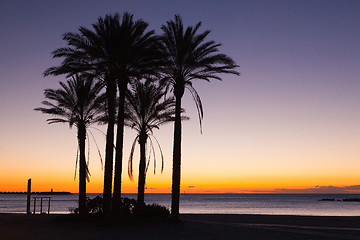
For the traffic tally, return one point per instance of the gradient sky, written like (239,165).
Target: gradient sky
(289,123)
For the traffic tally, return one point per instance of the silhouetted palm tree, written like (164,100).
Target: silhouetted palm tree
(95,53)
(145,110)
(78,102)
(138,55)
(190,57)
(118,52)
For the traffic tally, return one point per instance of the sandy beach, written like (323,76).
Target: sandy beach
(194,226)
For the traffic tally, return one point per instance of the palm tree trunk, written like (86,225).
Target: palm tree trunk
(175,201)
(119,147)
(111,95)
(142,166)
(82,169)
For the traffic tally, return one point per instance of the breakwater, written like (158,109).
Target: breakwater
(39,193)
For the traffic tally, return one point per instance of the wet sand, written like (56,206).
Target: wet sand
(193,226)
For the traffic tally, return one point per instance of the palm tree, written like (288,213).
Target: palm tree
(138,55)
(117,52)
(78,102)
(146,111)
(95,53)
(189,57)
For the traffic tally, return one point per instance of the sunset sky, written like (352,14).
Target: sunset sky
(289,123)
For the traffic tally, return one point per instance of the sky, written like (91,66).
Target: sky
(290,123)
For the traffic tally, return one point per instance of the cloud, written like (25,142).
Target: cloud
(322,189)
(259,191)
(210,191)
(190,187)
(354,188)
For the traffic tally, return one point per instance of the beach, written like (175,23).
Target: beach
(193,226)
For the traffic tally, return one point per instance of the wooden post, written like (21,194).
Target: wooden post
(41,205)
(34,204)
(28,197)
(49,206)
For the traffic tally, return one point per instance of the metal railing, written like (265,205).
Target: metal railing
(41,204)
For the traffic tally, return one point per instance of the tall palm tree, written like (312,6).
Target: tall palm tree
(78,102)
(189,57)
(145,111)
(95,52)
(117,52)
(138,55)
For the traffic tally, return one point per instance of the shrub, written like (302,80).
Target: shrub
(152,210)
(95,205)
(129,209)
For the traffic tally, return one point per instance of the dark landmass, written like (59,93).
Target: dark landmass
(344,200)
(327,199)
(351,200)
(39,193)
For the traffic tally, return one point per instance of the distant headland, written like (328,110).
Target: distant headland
(39,193)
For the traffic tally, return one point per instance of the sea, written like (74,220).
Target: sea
(272,204)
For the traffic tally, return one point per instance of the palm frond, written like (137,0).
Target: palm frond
(88,147)
(98,149)
(130,162)
(198,103)
(88,175)
(161,154)
(191,57)
(76,162)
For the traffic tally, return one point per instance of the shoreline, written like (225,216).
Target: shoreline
(193,226)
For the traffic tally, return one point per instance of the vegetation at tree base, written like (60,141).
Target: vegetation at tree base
(118,53)
(129,209)
(95,205)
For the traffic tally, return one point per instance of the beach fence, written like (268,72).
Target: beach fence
(41,204)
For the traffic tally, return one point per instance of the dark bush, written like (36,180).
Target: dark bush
(129,209)
(126,208)
(95,205)
(153,210)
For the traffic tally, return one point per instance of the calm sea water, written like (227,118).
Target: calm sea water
(282,204)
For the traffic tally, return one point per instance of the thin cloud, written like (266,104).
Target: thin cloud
(322,189)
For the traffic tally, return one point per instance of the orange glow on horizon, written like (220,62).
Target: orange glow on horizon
(189,185)
(46,176)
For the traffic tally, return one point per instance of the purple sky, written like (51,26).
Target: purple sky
(292,116)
